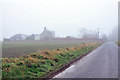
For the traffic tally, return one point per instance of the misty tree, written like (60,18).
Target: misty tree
(82,31)
(90,34)
(104,37)
(113,36)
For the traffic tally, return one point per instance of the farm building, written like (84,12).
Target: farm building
(37,36)
(45,35)
(18,37)
(30,37)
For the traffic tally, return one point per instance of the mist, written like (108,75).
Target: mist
(113,36)
(65,17)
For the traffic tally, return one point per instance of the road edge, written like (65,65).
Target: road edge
(53,74)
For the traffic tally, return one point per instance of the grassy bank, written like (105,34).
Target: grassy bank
(118,43)
(43,63)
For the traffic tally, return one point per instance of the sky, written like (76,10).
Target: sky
(65,17)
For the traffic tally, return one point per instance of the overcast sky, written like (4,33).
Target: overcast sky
(65,17)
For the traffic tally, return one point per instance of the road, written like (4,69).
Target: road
(101,63)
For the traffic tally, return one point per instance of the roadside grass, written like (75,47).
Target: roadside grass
(43,63)
(118,43)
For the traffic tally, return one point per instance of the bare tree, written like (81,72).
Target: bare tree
(85,33)
(104,37)
(114,35)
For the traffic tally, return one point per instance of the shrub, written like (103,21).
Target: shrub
(62,54)
(67,49)
(33,65)
(46,58)
(58,49)
(19,63)
(32,70)
(40,57)
(49,62)
(5,65)
(28,64)
(27,61)
(47,53)
(25,56)
(33,55)
(41,69)
(56,60)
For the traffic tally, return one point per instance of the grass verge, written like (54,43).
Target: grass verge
(118,43)
(43,64)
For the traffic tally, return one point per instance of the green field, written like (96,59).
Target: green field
(18,48)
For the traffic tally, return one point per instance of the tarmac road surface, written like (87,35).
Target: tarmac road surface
(101,63)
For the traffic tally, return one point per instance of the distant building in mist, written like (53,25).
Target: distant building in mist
(45,35)
(16,37)
(30,37)
(6,39)
(37,36)
(90,36)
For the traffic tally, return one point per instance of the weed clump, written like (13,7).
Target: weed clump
(58,49)
(47,53)
(40,57)
(56,60)
(19,63)
(33,55)
(67,49)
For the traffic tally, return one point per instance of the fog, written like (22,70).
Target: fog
(113,36)
(65,17)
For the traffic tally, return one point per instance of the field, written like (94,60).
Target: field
(20,48)
(43,63)
(38,59)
